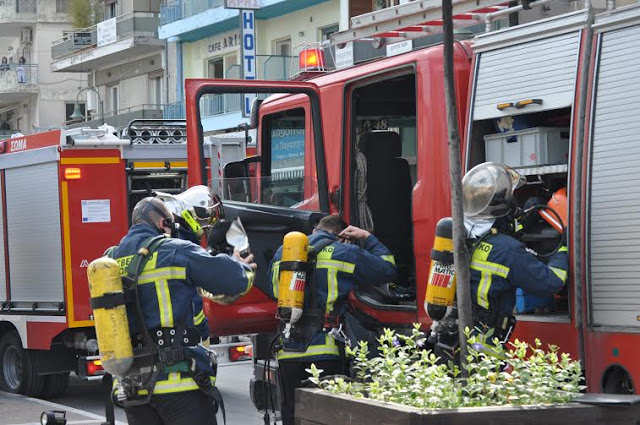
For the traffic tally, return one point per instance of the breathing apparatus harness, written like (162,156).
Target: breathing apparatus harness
(298,337)
(444,338)
(166,350)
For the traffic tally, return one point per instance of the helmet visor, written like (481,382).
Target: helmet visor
(488,190)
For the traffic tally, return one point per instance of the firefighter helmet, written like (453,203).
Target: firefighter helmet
(154,212)
(195,209)
(488,189)
(200,201)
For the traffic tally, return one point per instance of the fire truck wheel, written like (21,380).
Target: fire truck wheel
(18,373)
(617,381)
(55,385)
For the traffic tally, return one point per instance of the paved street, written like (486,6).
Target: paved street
(233,382)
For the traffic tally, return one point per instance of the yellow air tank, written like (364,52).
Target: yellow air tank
(110,316)
(293,277)
(441,287)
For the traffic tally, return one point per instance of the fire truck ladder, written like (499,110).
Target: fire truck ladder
(424,17)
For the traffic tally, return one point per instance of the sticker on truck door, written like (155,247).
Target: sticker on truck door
(96,211)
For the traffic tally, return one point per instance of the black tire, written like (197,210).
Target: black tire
(55,385)
(618,381)
(18,368)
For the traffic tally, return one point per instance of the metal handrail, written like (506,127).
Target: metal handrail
(181,9)
(135,108)
(69,35)
(25,75)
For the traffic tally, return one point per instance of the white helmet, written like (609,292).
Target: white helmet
(197,203)
(488,189)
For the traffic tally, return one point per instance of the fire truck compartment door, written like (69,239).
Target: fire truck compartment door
(33,232)
(266,226)
(3,266)
(542,69)
(614,219)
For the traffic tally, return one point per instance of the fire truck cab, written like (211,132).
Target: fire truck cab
(348,143)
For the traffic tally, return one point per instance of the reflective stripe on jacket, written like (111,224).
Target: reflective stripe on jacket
(500,264)
(339,268)
(167,290)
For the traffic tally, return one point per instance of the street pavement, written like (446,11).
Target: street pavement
(84,403)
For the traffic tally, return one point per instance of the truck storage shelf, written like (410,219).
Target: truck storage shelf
(542,169)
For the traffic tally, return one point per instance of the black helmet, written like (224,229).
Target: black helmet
(150,210)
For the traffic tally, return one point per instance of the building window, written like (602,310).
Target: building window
(70,107)
(26,6)
(111,9)
(62,6)
(283,47)
(155,90)
(327,31)
(114,99)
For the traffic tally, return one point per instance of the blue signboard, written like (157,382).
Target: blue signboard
(287,148)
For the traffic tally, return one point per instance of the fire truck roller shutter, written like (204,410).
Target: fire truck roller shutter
(614,196)
(35,259)
(389,196)
(542,69)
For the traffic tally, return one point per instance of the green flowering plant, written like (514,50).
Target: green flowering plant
(408,374)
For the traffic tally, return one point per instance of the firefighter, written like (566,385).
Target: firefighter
(340,266)
(500,263)
(184,394)
(195,210)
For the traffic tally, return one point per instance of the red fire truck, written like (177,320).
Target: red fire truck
(552,97)
(66,195)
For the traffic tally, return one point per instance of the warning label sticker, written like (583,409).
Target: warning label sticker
(441,275)
(96,211)
(297,281)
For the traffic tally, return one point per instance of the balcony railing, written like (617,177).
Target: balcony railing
(17,78)
(210,105)
(181,9)
(269,67)
(136,23)
(6,134)
(122,117)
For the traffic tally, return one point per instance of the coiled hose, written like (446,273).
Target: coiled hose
(365,219)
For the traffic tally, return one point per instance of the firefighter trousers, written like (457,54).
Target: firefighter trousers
(183,408)
(292,373)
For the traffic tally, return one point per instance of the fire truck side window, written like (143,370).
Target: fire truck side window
(283,147)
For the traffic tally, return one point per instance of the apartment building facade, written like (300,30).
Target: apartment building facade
(204,42)
(31,96)
(124,62)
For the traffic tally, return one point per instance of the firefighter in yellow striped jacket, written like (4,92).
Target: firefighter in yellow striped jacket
(500,263)
(166,289)
(339,268)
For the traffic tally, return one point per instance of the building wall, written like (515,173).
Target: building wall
(171,73)
(301,26)
(132,79)
(46,108)
(130,6)
(197,54)
(56,89)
